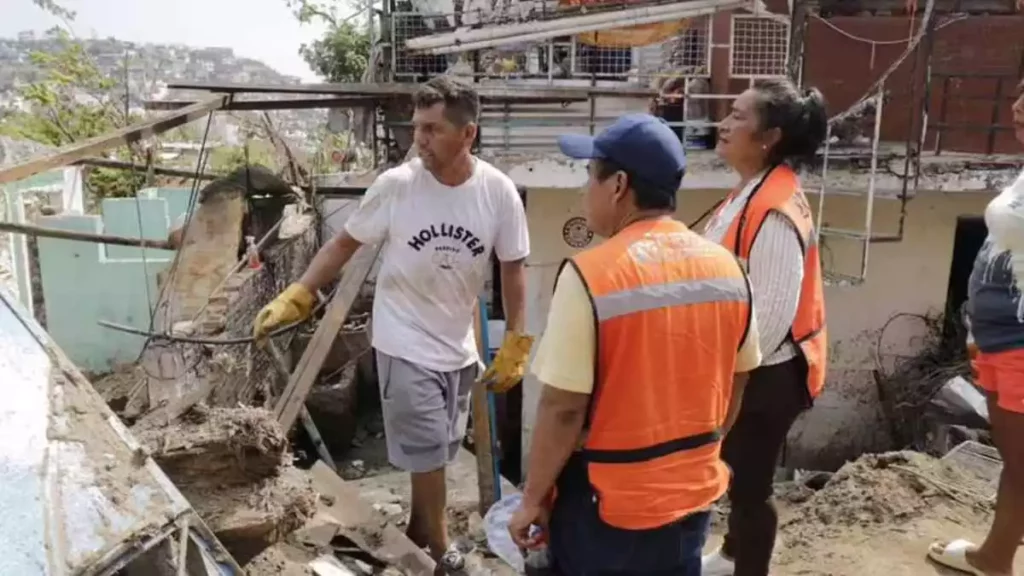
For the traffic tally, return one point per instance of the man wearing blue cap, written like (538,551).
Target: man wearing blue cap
(643,361)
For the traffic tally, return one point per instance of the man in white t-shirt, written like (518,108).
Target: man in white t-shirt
(441,216)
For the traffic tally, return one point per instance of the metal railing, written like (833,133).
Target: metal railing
(514,127)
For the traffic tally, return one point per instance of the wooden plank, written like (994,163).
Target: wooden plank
(120,165)
(482,440)
(356,517)
(30,230)
(306,371)
(274,104)
(128,135)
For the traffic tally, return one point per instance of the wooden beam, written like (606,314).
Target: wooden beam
(120,165)
(146,129)
(498,93)
(308,369)
(30,230)
(482,440)
(275,104)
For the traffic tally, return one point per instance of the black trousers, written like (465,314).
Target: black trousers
(774,397)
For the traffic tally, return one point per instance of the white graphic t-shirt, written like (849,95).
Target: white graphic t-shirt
(439,241)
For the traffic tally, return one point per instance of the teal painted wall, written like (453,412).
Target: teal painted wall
(84,282)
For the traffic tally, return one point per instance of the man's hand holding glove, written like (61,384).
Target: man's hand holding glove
(295,304)
(509,364)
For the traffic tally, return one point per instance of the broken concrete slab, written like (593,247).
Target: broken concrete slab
(247,519)
(219,446)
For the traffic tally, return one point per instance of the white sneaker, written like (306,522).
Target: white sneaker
(715,564)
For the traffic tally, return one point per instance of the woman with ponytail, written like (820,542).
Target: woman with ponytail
(771,130)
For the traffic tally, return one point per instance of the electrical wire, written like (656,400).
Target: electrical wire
(912,44)
(193,195)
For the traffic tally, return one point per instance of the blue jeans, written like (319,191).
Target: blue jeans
(582,544)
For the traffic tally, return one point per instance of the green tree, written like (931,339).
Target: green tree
(69,102)
(342,54)
(226,159)
(56,9)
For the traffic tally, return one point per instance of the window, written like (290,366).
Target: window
(603,61)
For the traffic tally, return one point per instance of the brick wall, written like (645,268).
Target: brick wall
(844,69)
(247,293)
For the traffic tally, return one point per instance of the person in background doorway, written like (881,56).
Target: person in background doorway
(996,323)
(440,216)
(767,223)
(643,360)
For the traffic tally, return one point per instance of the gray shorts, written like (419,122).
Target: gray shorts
(425,412)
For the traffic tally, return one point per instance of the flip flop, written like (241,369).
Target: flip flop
(953,555)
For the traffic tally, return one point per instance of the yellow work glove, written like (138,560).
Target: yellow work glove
(293,305)
(509,363)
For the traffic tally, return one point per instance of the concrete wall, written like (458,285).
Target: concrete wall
(59,189)
(905,277)
(85,282)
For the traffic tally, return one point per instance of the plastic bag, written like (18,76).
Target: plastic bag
(496,528)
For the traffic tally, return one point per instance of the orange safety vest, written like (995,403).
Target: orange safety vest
(780,190)
(671,311)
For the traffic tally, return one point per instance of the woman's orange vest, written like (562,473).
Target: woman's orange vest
(780,191)
(672,310)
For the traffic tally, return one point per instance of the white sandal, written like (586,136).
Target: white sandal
(716,564)
(954,555)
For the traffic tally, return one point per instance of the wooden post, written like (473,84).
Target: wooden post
(487,483)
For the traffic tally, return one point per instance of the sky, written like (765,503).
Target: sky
(264,30)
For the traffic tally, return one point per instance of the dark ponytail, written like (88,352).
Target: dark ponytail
(801,119)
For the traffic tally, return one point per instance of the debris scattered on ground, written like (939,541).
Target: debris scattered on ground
(907,384)
(248,518)
(218,446)
(118,385)
(281,560)
(879,513)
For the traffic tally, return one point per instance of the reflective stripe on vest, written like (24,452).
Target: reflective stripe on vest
(671,310)
(671,294)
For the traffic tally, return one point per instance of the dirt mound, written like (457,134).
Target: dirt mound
(218,446)
(883,494)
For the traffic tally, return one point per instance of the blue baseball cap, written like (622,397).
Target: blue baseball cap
(642,145)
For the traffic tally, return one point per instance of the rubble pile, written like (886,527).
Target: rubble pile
(888,505)
(234,466)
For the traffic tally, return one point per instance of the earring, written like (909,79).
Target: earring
(764,147)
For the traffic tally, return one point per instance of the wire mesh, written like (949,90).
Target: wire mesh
(760,47)
(688,53)
(678,68)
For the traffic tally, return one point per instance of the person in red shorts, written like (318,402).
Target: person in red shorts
(996,318)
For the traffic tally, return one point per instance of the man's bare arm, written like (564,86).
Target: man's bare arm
(328,262)
(560,417)
(513,294)
(739,384)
